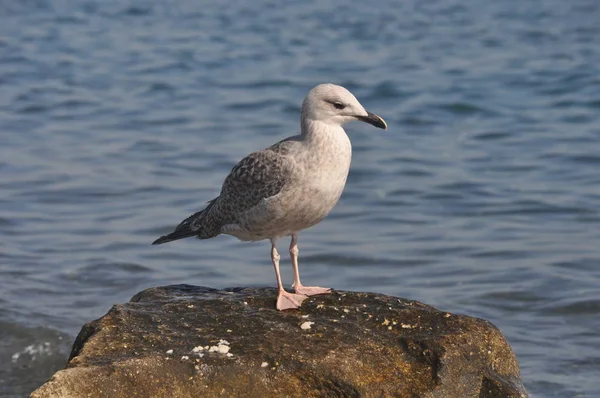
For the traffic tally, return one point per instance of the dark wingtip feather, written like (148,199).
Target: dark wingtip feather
(162,239)
(173,236)
(183,230)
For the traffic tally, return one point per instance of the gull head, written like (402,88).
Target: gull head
(335,105)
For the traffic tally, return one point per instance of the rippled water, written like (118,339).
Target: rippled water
(120,118)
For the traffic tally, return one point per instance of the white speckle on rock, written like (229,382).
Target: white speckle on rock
(304,316)
(222,347)
(306,325)
(229,355)
(169,352)
(197,348)
(346,310)
(185,357)
(264,364)
(406,326)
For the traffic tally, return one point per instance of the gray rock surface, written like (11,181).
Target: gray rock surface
(346,344)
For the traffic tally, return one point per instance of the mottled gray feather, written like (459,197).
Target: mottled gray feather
(258,176)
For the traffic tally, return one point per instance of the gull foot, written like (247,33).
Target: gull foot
(312,290)
(289,301)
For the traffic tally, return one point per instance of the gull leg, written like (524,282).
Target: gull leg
(285,300)
(307,290)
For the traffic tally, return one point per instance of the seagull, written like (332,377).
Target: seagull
(287,187)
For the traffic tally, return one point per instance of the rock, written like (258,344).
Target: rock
(169,342)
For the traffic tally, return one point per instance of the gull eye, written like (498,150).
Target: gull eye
(339,105)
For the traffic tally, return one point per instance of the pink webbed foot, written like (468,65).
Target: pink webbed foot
(289,301)
(311,290)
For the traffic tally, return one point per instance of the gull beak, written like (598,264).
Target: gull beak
(373,119)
